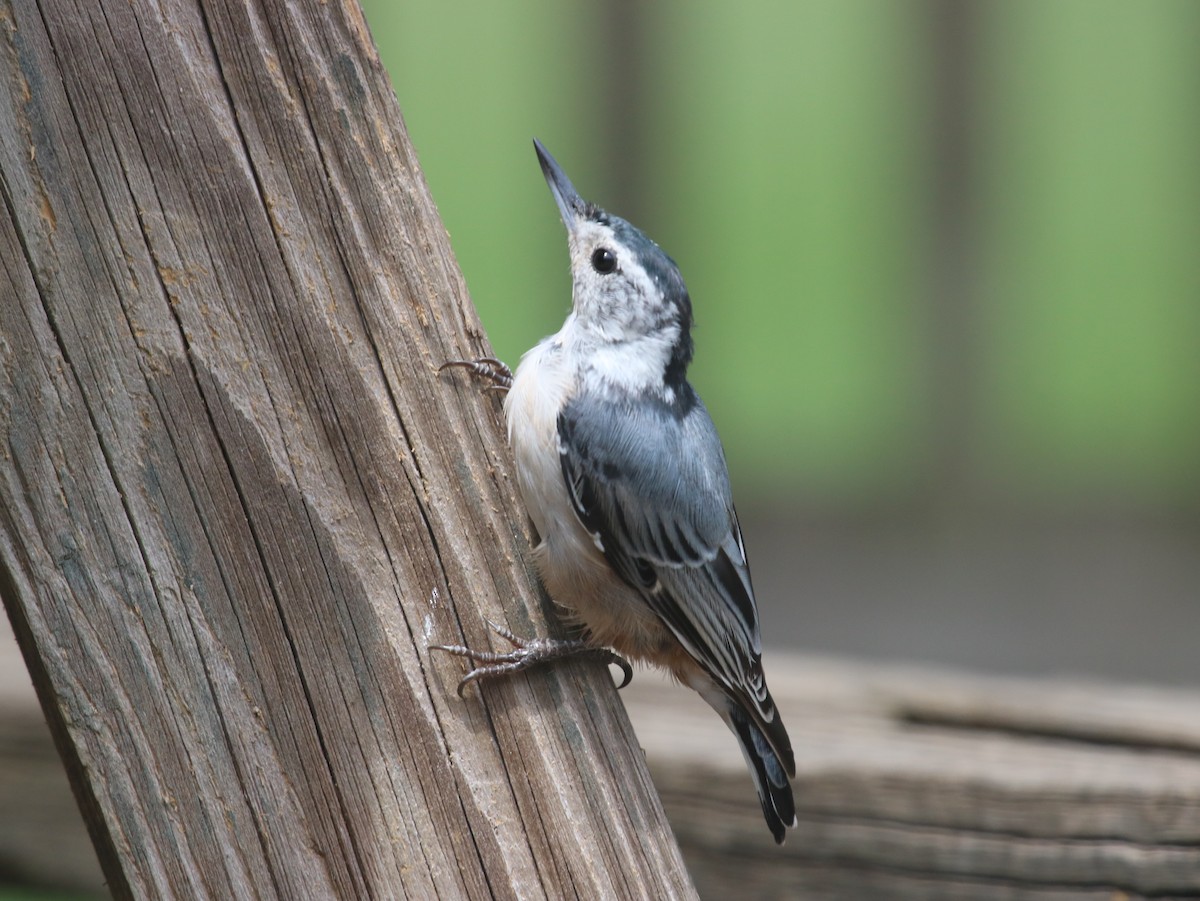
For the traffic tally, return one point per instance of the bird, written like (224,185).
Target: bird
(625,480)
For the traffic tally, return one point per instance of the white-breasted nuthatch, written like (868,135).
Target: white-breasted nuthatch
(625,479)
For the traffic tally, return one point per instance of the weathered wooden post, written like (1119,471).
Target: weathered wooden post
(236,501)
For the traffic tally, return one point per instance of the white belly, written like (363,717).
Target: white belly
(572,567)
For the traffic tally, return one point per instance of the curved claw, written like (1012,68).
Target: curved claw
(626,669)
(467,680)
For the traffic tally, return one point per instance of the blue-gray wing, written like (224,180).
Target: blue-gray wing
(649,481)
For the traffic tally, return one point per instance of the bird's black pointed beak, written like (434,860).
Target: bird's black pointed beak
(570,204)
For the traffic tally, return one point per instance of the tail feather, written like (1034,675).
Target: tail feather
(776,734)
(765,745)
(768,771)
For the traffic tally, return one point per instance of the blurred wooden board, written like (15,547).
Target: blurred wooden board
(916,783)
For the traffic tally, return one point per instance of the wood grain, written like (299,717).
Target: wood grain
(236,501)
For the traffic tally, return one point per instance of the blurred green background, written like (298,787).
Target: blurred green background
(944,262)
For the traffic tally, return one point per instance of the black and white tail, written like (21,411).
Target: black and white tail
(769,772)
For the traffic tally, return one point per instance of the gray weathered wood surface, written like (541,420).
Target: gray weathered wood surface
(921,784)
(236,501)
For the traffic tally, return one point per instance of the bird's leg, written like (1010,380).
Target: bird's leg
(527,653)
(495,371)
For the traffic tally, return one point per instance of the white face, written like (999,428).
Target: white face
(613,293)
(633,327)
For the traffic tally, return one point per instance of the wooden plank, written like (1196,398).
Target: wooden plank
(237,502)
(916,783)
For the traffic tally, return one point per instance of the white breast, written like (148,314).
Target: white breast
(571,565)
(541,386)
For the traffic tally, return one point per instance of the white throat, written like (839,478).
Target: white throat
(631,365)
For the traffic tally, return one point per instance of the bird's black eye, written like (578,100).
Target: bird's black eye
(604,260)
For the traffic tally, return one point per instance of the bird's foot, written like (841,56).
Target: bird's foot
(527,653)
(489,368)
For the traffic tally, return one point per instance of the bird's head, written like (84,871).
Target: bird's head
(625,289)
